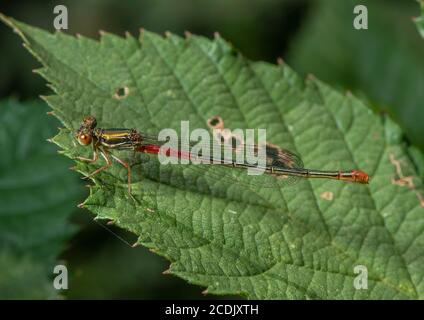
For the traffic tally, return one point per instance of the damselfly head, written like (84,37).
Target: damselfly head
(84,135)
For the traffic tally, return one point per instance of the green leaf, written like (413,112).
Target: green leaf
(420,20)
(37,195)
(385,62)
(301,241)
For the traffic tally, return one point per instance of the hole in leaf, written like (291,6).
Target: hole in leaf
(216,122)
(121,93)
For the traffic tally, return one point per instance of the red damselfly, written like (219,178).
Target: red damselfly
(280,163)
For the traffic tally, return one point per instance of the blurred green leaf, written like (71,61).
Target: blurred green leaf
(385,62)
(24,277)
(37,195)
(298,242)
(238,20)
(114,270)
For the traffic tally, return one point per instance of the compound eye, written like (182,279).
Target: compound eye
(84,139)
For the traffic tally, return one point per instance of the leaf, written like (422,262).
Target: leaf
(37,197)
(302,241)
(383,62)
(420,20)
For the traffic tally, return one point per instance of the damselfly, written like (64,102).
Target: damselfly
(280,163)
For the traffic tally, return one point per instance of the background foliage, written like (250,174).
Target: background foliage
(37,196)
(261,30)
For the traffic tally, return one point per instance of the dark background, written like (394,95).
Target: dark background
(384,65)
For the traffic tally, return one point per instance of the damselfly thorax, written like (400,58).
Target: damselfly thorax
(120,139)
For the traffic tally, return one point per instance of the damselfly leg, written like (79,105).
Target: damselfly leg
(106,156)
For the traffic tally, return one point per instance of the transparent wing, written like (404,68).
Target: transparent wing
(221,171)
